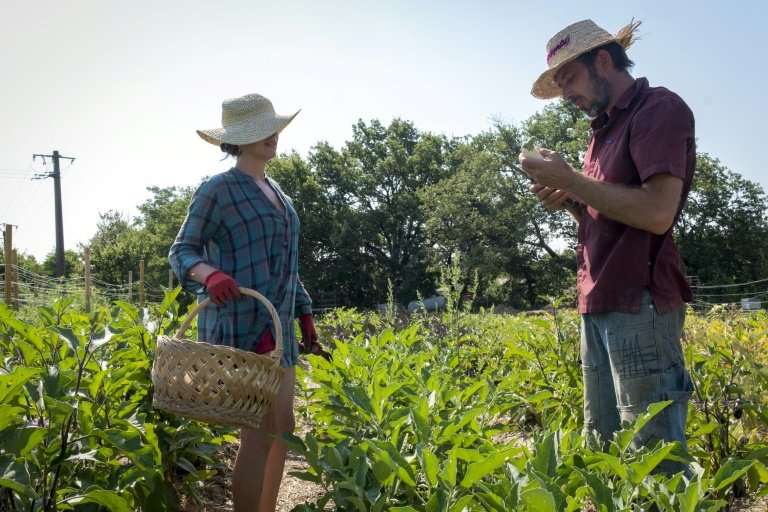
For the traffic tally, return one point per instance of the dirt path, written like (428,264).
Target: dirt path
(217,496)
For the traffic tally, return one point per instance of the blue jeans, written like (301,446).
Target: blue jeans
(630,360)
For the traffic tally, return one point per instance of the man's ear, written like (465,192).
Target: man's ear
(604,62)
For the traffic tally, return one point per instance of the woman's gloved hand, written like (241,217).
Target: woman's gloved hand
(221,287)
(309,343)
(266,342)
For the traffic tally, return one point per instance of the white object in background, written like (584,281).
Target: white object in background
(750,304)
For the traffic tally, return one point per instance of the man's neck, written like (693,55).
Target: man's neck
(619,85)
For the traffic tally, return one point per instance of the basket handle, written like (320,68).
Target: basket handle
(276,354)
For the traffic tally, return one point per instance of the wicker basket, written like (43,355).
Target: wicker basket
(216,383)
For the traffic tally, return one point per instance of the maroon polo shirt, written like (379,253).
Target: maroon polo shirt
(650,131)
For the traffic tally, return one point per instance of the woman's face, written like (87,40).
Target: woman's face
(263,150)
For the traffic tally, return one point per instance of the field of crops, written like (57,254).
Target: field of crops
(458,411)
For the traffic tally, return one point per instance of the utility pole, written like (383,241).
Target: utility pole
(56,175)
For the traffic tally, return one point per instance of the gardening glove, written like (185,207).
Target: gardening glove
(266,342)
(309,344)
(221,287)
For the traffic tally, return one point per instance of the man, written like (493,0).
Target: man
(637,173)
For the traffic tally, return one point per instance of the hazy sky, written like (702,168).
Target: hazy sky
(123,85)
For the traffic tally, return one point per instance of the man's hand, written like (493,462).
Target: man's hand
(551,170)
(551,199)
(221,287)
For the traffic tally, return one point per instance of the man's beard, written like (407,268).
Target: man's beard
(602,95)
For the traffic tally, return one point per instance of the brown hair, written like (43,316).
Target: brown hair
(230,149)
(617,52)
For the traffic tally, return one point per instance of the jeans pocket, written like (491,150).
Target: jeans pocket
(669,424)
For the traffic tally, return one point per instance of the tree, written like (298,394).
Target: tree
(119,245)
(73,264)
(723,230)
(484,212)
(390,165)
(116,248)
(319,270)
(365,223)
(394,203)
(24,261)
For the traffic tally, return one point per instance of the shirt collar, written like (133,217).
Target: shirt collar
(244,176)
(626,99)
(638,87)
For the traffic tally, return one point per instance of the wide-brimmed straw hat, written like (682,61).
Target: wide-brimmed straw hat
(246,120)
(573,41)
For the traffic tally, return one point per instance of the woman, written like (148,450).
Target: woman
(241,230)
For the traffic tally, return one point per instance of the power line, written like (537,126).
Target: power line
(710,286)
(736,294)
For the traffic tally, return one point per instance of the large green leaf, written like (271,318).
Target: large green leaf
(111,500)
(130,444)
(625,436)
(486,466)
(462,504)
(729,472)
(536,499)
(438,501)
(614,464)
(21,441)
(383,469)
(448,473)
(545,459)
(639,470)
(690,497)
(404,469)
(12,384)
(430,466)
(601,494)
(14,474)
(10,415)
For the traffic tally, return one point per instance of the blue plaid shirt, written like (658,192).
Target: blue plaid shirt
(233,226)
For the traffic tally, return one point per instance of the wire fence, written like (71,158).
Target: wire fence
(746,296)
(29,288)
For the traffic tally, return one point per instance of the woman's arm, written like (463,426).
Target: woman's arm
(303,305)
(199,226)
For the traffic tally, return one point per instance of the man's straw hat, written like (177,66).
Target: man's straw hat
(571,42)
(246,120)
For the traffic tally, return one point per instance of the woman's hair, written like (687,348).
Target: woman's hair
(230,149)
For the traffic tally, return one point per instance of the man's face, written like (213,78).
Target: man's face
(584,87)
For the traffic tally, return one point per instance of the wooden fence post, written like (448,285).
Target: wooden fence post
(15,278)
(87,262)
(141,284)
(130,285)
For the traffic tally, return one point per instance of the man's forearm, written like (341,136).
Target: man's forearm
(576,210)
(637,207)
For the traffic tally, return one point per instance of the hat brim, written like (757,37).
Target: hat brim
(545,87)
(248,132)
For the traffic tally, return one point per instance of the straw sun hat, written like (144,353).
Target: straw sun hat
(573,41)
(246,120)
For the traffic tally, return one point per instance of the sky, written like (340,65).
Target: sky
(122,86)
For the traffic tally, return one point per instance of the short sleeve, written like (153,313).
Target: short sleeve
(661,133)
